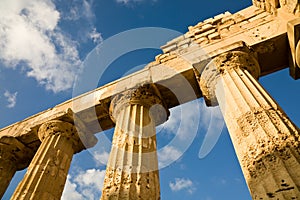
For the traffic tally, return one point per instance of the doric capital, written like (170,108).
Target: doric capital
(223,64)
(15,152)
(63,129)
(144,96)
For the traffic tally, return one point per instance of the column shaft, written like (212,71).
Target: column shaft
(7,167)
(13,156)
(132,169)
(264,138)
(47,173)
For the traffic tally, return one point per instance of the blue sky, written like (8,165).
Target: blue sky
(44,45)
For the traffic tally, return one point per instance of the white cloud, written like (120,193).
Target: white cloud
(31,39)
(86,185)
(184,120)
(11,98)
(91,178)
(212,124)
(182,126)
(191,118)
(182,184)
(30,35)
(70,191)
(168,155)
(101,158)
(78,10)
(95,36)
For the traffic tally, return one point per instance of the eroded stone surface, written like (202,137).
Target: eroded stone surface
(144,96)
(292,6)
(132,169)
(268,5)
(46,175)
(266,29)
(265,140)
(221,65)
(14,156)
(262,26)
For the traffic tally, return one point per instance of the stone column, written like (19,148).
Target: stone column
(14,156)
(264,138)
(47,173)
(132,169)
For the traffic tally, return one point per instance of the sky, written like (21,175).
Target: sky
(46,47)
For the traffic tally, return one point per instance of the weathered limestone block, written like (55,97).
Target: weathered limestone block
(268,5)
(13,156)
(265,140)
(132,169)
(47,173)
(292,6)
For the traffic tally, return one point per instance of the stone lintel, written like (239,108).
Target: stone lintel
(294,41)
(17,152)
(92,107)
(206,58)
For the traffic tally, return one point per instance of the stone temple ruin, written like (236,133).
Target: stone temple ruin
(239,48)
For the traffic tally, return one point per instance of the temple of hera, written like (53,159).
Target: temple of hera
(239,48)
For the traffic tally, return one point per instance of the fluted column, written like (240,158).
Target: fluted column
(264,138)
(14,156)
(47,173)
(132,169)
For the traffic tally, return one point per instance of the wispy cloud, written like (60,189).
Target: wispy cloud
(185,122)
(81,12)
(128,1)
(11,98)
(168,155)
(91,178)
(101,157)
(95,36)
(133,1)
(212,124)
(86,185)
(70,191)
(31,38)
(182,184)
